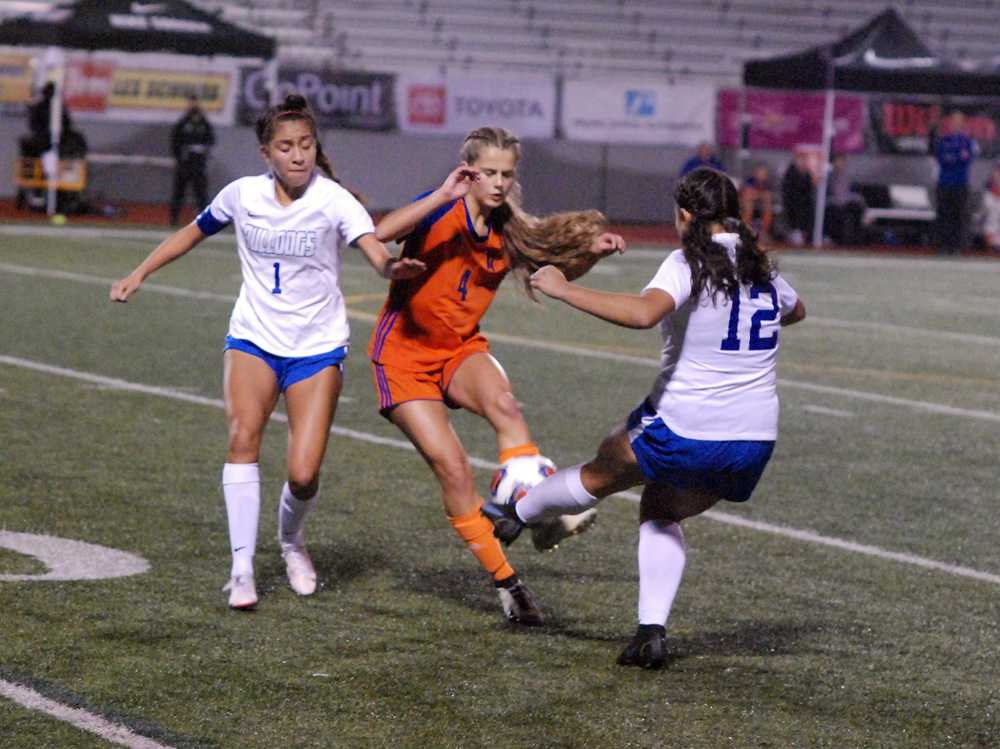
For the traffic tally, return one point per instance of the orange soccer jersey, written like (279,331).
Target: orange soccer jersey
(428,320)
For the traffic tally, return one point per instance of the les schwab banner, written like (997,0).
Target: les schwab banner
(109,88)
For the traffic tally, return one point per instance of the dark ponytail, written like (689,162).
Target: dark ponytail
(296,107)
(712,199)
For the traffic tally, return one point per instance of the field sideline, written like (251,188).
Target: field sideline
(856,618)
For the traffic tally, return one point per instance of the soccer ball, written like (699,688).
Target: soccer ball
(515,477)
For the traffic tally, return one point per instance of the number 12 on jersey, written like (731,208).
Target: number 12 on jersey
(732,341)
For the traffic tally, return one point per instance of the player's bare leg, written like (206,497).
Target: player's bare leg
(311,405)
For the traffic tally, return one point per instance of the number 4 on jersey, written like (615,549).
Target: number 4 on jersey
(732,341)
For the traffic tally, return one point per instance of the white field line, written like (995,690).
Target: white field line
(778,530)
(608,268)
(926,406)
(800,258)
(85,721)
(810,258)
(827,411)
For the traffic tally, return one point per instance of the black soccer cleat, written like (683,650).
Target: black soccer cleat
(519,605)
(647,649)
(507,526)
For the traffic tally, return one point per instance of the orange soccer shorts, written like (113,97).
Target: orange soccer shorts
(395,385)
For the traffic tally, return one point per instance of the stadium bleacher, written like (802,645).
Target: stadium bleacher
(696,38)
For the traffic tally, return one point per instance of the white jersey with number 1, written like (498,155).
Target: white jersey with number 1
(290,303)
(717,369)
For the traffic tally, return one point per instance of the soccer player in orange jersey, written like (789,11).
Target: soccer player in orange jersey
(428,354)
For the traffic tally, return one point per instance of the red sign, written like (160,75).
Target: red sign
(902,126)
(87,85)
(426,105)
(781,120)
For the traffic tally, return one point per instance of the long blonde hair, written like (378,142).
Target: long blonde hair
(560,239)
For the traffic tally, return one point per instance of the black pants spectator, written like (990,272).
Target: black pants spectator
(190,172)
(842,223)
(951,224)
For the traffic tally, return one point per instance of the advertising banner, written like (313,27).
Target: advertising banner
(355,100)
(457,104)
(615,112)
(15,79)
(146,88)
(905,125)
(157,89)
(781,120)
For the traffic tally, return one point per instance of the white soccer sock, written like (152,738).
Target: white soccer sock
(292,513)
(662,553)
(241,489)
(562,493)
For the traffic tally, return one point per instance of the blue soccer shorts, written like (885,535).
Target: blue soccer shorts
(729,469)
(290,369)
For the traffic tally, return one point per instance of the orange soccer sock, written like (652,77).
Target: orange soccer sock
(477,532)
(528,448)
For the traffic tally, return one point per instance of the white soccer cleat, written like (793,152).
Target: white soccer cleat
(242,592)
(301,573)
(549,533)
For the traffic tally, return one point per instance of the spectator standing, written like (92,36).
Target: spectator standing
(798,198)
(954,152)
(844,208)
(704,156)
(190,141)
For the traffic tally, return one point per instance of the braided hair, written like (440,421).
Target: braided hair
(712,199)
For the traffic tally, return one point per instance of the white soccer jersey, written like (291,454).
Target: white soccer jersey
(717,375)
(290,303)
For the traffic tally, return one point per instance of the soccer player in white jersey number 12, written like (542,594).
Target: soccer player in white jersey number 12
(288,332)
(707,429)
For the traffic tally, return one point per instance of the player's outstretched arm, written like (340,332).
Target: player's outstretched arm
(385,264)
(627,310)
(179,243)
(400,222)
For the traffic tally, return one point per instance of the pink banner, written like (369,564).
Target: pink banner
(781,120)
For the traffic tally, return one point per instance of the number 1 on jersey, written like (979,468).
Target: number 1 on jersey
(277,279)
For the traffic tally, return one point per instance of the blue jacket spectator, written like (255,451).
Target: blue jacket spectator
(954,152)
(705,156)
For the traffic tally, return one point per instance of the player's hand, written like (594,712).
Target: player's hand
(122,290)
(549,280)
(404,267)
(607,244)
(459,182)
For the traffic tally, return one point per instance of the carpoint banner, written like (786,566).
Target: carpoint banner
(355,100)
(781,120)
(457,104)
(905,125)
(616,112)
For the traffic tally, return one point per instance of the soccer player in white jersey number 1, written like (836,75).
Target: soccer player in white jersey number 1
(288,332)
(707,429)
